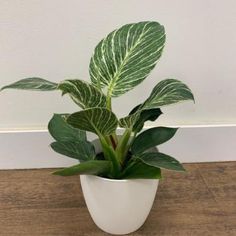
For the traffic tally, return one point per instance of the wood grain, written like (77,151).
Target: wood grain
(199,202)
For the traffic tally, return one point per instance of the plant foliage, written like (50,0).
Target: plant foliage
(121,61)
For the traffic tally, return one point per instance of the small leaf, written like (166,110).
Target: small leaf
(139,170)
(145,115)
(63,132)
(89,168)
(82,151)
(35,83)
(167,92)
(152,137)
(125,57)
(96,120)
(83,94)
(161,160)
(129,121)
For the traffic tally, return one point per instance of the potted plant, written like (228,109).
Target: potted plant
(119,174)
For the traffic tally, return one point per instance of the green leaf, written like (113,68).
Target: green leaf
(161,160)
(152,137)
(129,121)
(89,168)
(139,170)
(167,92)
(82,151)
(145,115)
(96,120)
(83,94)
(63,132)
(124,58)
(35,83)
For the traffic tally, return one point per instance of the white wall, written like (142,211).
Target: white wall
(30,149)
(54,39)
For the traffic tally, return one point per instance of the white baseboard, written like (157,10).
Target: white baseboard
(30,149)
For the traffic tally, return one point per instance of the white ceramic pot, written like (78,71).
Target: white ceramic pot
(118,206)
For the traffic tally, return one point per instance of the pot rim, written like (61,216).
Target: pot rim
(118,180)
(111,180)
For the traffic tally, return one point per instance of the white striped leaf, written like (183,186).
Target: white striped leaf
(35,83)
(126,56)
(145,115)
(129,121)
(167,92)
(96,120)
(137,118)
(61,131)
(83,94)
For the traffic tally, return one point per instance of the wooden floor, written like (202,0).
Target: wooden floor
(200,202)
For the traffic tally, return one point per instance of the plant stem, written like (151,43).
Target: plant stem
(109,102)
(110,155)
(123,147)
(114,135)
(133,138)
(113,142)
(108,140)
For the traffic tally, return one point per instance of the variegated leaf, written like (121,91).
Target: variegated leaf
(167,92)
(61,131)
(126,56)
(83,94)
(35,84)
(129,121)
(145,115)
(96,120)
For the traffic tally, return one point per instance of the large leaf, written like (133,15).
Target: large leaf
(151,138)
(139,170)
(83,94)
(62,131)
(82,150)
(126,56)
(145,115)
(34,83)
(89,168)
(167,92)
(96,120)
(161,160)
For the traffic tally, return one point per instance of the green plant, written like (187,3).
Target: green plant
(121,61)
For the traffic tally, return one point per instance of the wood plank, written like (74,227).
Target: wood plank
(220,179)
(33,203)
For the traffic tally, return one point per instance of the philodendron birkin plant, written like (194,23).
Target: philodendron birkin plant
(120,62)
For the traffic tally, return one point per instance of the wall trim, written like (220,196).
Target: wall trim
(23,149)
